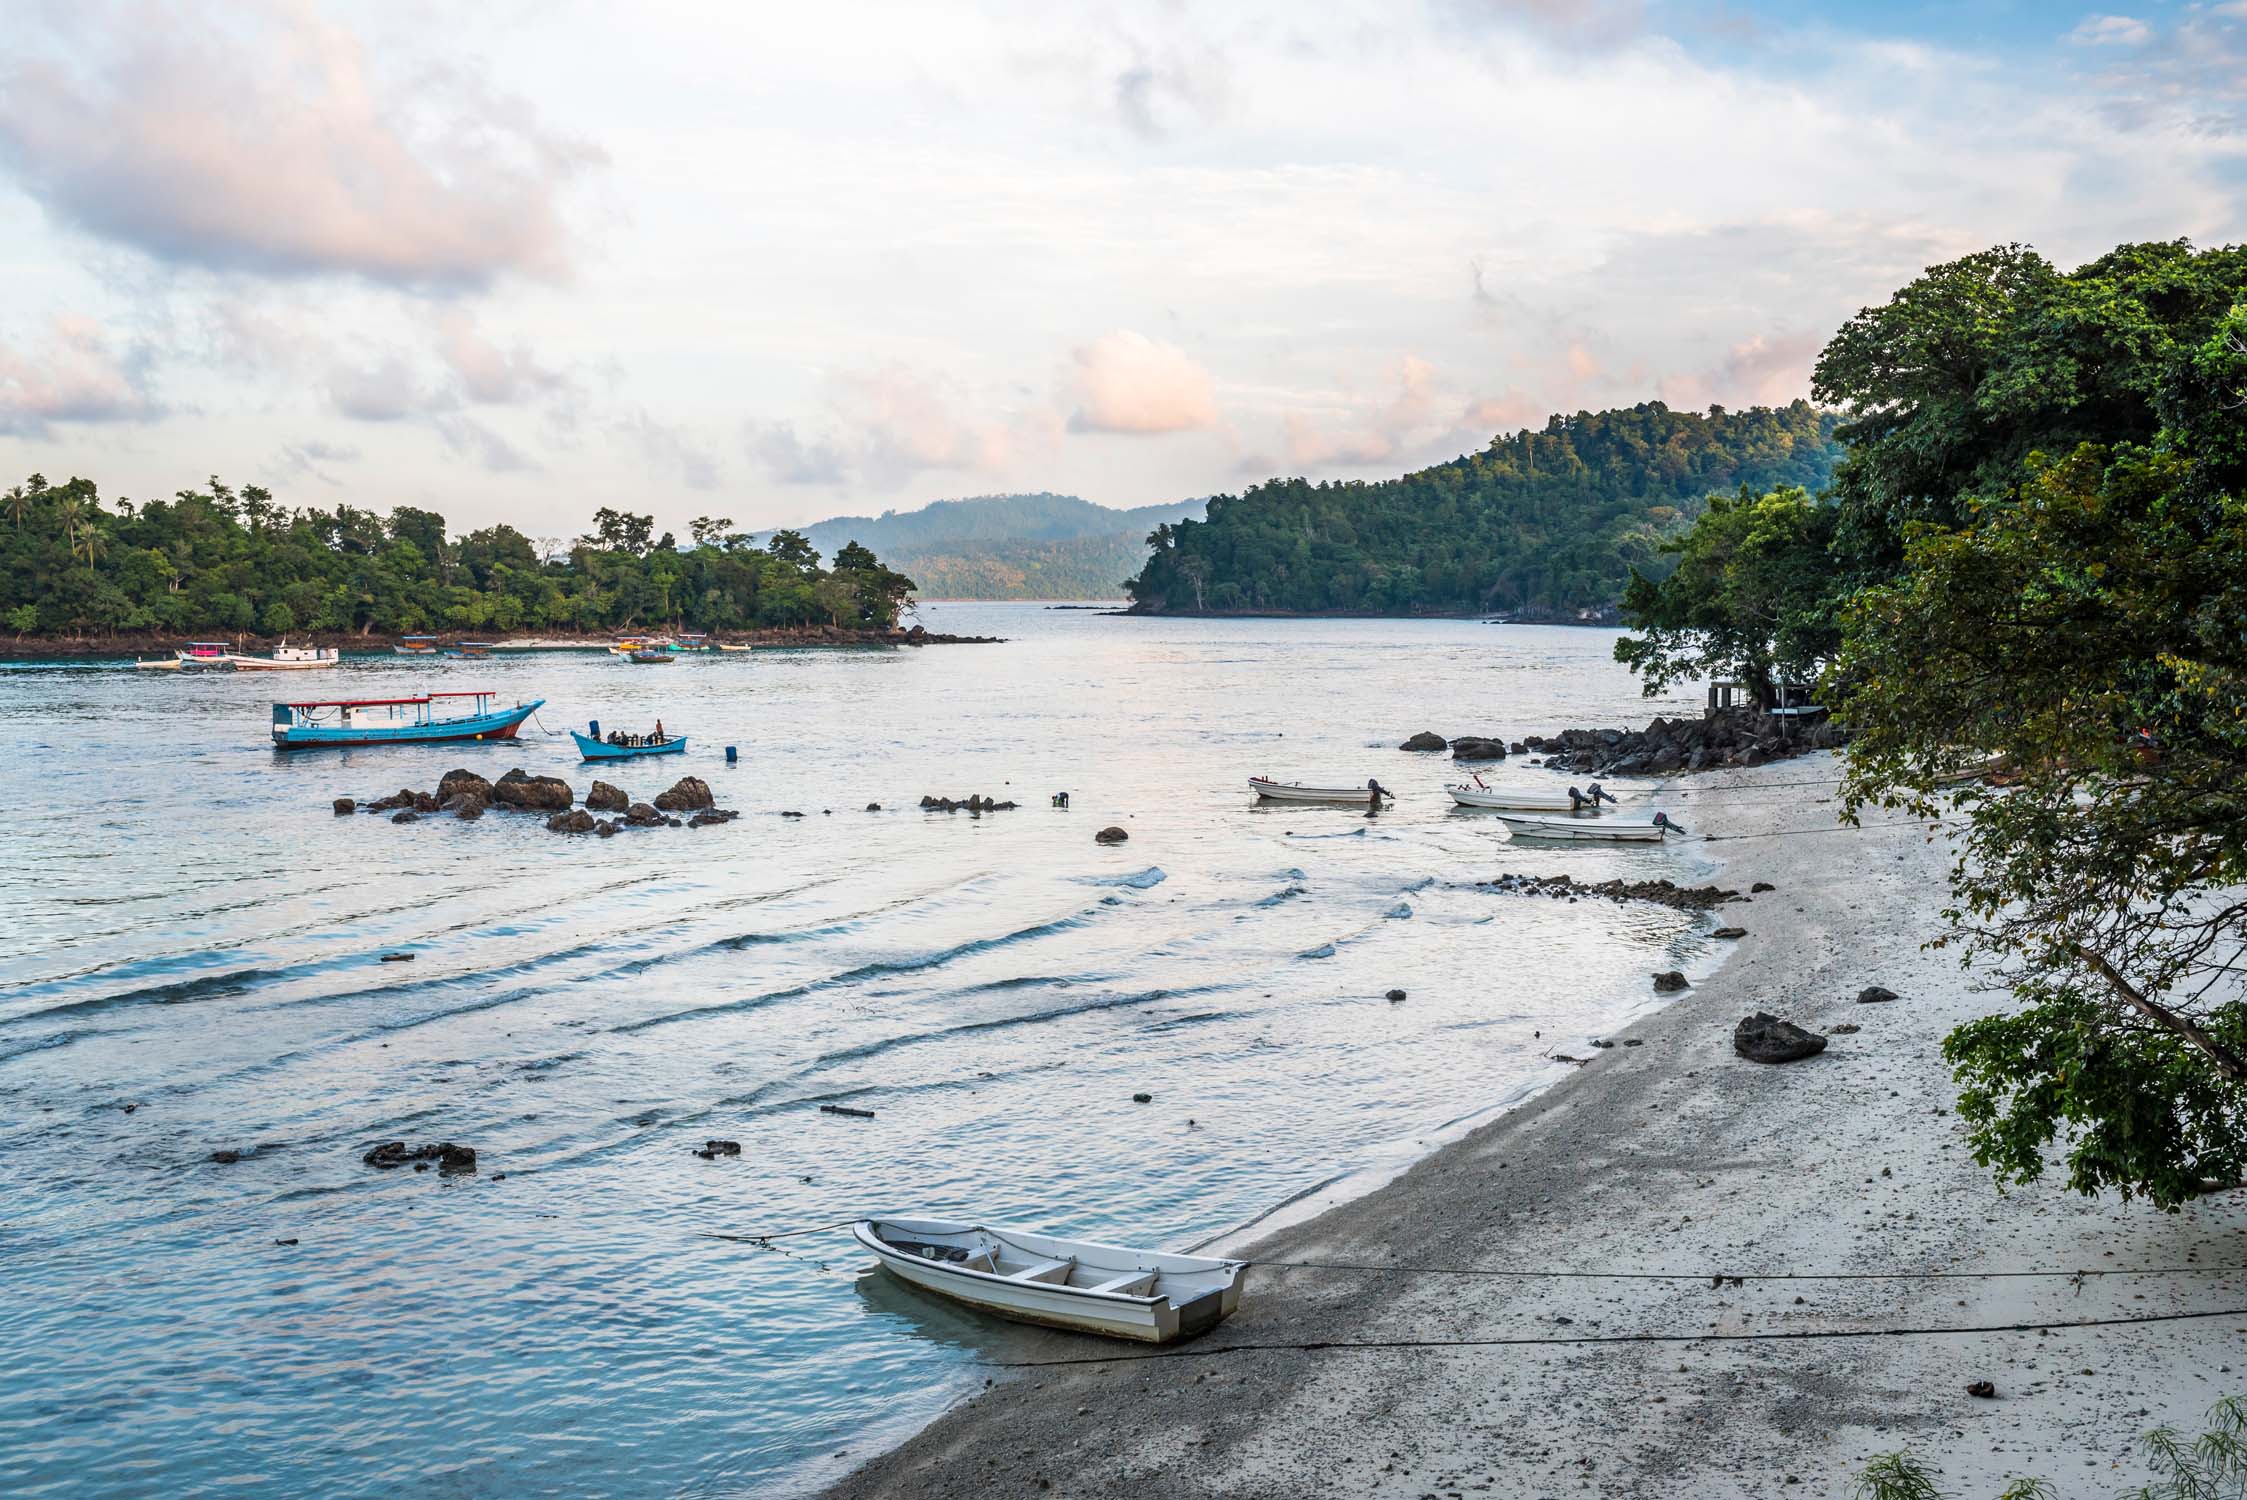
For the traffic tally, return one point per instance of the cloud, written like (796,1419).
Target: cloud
(788,458)
(1572,25)
(71,376)
(1375,437)
(489,374)
(470,438)
(671,448)
(266,139)
(386,390)
(1762,370)
(2110,31)
(1128,383)
(310,458)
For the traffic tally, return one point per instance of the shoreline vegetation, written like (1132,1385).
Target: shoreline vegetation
(351,643)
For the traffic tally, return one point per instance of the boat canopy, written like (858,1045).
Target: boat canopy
(376,702)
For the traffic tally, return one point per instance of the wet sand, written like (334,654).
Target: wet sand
(1673,1155)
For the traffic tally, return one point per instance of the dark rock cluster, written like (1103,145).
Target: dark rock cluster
(1660,892)
(467,795)
(444,1155)
(1465,747)
(1764,1038)
(974,804)
(1667,746)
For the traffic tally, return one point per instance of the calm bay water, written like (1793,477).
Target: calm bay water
(187,929)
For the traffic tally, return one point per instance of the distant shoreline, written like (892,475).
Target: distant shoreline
(126,647)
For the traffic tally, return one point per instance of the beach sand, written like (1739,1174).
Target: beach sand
(1672,1155)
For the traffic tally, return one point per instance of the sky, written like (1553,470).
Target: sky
(519,260)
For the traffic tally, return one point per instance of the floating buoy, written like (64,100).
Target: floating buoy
(732,755)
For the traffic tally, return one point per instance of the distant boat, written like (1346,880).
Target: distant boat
(469,650)
(161,664)
(1589,828)
(288,658)
(728,646)
(1147,1295)
(416,645)
(648,656)
(207,656)
(594,748)
(1295,791)
(394,721)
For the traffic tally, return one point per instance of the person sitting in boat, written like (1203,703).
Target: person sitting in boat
(658,738)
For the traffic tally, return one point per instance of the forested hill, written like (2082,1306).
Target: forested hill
(1036,546)
(1549,523)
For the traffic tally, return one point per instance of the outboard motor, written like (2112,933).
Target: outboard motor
(1577,801)
(1598,794)
(1662,821)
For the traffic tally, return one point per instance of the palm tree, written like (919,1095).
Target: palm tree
(70,510)
(18,501)
(91,543)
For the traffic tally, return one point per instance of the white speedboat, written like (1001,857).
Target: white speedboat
(1296,791)
(1589,826)
(288,658)
(1524,799)
(1148,1295)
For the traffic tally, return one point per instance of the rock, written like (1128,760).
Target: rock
(606,798)
(1670,981)
(1984,1389)
(1730,932)
(1426,739)
(1660,892)
(1604,1045)
(1760,887)
(1764,1038)
(1846,1028)
(458,780)
(687,794)
(873,807)
(712,1150)
(408,816)
(975,804)
(447,1156)
(640,815)
(1142,1098)
(576,820)
(531,793)
(1474,747)
(1110,835)
(290,1241)
(226,1158)
(344,807)
(466,806)
(425,802)
(1395,995)
(712,817)
(397,958)
(1875,994)
(605,829)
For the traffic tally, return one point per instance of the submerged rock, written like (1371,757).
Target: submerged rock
(687,794)
(344,807)
(1660,892)
(408,816)
(606,798)
(711,816)
(1670,981)
(1426,739)
(576,820)
(447,1156)
(640,815)
(1476,747)
(1110,836)
(466,806)
(712,1150)
(1764,1038)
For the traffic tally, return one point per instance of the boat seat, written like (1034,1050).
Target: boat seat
(1055,1271)
(1129,1284)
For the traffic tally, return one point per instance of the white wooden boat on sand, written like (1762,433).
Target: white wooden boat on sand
(1296,791)
(1123,1293)
(1523,799)
(1589,827)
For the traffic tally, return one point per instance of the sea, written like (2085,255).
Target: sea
(192,962)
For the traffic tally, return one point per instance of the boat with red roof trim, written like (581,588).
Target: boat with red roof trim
(425,718)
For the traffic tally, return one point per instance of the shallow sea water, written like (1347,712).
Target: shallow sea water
(188,930)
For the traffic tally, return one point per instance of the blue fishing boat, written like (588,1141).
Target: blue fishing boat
(425,719)
(626,746)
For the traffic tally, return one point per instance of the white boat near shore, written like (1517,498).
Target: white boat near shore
(288,658)
(1148,1295)
(1523,799)
(1589,827)
(1295,791)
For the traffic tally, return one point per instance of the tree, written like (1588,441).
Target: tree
(793,547)
(708,530)
(620,531)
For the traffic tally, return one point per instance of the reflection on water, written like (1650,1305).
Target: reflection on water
(190,961)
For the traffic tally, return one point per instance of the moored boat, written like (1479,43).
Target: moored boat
(1589,827)
(1296,791)
(416,645)
(288,658)
(207,656)
(627,746)
(469,650)
(730,646)
(1148,1295)
(161,664)
(648,656)
(394,721)
(1522,799)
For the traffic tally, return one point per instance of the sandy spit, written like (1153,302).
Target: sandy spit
(1674,1155)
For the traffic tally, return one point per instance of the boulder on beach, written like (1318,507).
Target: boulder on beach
(640,815)
(1426,739)
(1764,1038)
(1476,747)
(532,793)
(1669,982)
(1110,836)
(576,820)
(1729,932)
(606,798)
(687,794)
(459,780)
(344,806)
(1875,994)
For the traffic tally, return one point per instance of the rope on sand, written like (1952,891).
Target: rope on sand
(1376,1345)
(1735,1278)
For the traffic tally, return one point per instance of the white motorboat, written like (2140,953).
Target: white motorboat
(165,664)
(1589,826)
(288,658)
(1295,791)
(1524,799)
(1148,1295)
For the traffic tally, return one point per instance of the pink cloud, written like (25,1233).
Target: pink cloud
(1129,383)
(72,376)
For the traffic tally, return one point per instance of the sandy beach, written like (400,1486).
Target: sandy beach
(1672,1155)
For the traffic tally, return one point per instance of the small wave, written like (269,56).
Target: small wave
(1288,893)
(1146,879)
(1355,833)
(1323,950)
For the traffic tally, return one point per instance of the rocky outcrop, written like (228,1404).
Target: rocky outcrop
(640,815)
(1426,739)
(344,807)
(710,817)
(446,1156)
(606,798)
(576,820)
(1660,892)
(1669,982)
(1668,746)
(466,806)
(974,804)
(1110,835)
(1875,994)
(687,794)
(531,793)
(1476,747)
(1764,1038)
(456,781)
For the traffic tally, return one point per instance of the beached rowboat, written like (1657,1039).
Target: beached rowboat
(394,721)
(1523,799)
(1589,826)
(1295,791)
(1123,1293)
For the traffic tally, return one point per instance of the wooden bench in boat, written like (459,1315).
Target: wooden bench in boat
(1054,1271)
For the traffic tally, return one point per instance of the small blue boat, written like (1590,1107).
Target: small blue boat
(592,747)
(394,721)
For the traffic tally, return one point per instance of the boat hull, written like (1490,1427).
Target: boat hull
(1284,791)
(592,749)
(500,725)
(1587,828)
(1518,801)
(1210,1290)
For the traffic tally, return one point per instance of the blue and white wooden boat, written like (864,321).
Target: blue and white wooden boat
(425,719)
(416,645)
(593,747)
